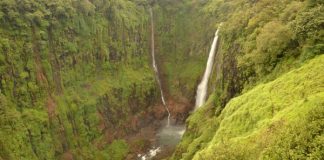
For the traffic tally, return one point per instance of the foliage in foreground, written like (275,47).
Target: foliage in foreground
(282,119)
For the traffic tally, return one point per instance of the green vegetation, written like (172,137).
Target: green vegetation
(71,74)
(267,122)
(76,79)
(184,36)
(269,60)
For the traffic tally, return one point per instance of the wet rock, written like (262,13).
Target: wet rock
(179,110)
(159,112)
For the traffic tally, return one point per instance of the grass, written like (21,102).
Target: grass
(268,122)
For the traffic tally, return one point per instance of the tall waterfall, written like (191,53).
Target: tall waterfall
(155,66)
(202,88)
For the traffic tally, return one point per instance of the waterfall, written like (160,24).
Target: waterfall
(202,87)
(155,66)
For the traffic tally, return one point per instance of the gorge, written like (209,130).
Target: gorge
(150,79)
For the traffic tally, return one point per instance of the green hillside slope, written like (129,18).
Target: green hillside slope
(282,119)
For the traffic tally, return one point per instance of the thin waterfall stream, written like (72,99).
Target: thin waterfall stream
(155,66)
(169,135)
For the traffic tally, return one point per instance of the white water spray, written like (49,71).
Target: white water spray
(152,153)
(202,88)
(155,66)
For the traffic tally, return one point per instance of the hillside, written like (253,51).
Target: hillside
(261,106)
(78,79)
(282,119)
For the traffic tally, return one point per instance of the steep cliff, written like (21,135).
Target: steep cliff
(269,50)
(75,78)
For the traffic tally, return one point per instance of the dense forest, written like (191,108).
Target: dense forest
(74,74)
(77,82)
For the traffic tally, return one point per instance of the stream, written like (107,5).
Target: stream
(167,138)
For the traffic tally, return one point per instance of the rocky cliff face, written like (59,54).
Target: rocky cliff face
(75,79)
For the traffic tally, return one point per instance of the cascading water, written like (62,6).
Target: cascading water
(202,87)
(155,66)
(155,150)
(169,136)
